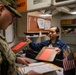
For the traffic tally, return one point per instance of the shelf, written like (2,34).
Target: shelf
(71,43)
(70,25)
(35,36)
(69,38)
(68,31)
(69,35)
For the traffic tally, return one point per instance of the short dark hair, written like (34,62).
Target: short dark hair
(57,29)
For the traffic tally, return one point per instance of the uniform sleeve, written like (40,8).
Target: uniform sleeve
(63,46)
(38,46)
(7,52)
(0,58)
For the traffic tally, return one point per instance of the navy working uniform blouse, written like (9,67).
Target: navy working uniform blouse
(59,43)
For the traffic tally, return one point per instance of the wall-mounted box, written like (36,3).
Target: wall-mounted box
(30,5)
(62,2)
(37,4)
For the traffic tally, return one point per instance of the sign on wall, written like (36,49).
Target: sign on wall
(21,5)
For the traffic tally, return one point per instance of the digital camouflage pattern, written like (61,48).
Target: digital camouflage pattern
(7,58)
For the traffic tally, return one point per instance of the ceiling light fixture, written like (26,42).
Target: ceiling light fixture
(45,15)
(73,12)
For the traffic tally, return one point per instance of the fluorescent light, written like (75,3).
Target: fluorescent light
(45,15)
(74,12)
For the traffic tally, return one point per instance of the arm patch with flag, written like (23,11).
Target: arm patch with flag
(68,62)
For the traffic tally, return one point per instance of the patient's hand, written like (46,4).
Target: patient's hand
(57,50)
(28,40)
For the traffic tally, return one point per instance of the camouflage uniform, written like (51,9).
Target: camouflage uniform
(7,58)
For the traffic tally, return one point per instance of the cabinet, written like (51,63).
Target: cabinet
(68,31)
